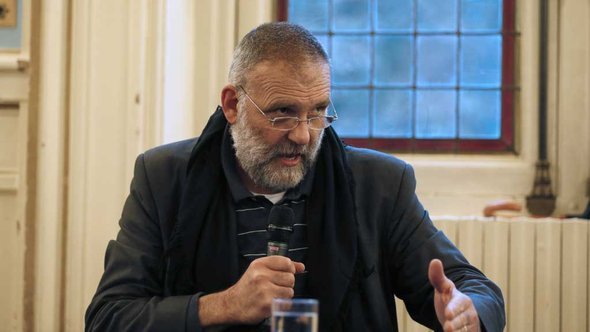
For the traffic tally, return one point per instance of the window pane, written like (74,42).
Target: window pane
(435,114)
(393,60)
(481,61)
(351,60)
(394,15)
(393,114)
(480,114)
(353,112)
(413,69)
(481,15)
(313,14)
(437,15)
(351,15)
(436,61)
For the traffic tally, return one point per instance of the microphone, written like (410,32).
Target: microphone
(280,226)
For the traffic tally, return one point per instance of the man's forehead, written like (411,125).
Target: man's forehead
(304,73)
(276,81)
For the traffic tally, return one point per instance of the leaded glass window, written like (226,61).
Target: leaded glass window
(418,74)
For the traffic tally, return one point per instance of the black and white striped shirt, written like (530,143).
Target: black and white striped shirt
(252,213)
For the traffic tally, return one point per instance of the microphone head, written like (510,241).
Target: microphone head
(280,226)
(281,215)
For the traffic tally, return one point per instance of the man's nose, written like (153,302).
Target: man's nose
(300,134)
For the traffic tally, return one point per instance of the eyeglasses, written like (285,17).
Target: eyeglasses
(286,123)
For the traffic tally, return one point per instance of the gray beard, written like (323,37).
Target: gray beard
(256,157)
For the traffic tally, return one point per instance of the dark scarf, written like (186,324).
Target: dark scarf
(203,254)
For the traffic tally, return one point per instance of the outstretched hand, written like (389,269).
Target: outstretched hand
(454,310)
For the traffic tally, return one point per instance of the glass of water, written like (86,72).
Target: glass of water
(294,315)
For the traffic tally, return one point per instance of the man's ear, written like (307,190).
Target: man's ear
(229,102)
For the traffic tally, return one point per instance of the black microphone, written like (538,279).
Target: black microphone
(280,226)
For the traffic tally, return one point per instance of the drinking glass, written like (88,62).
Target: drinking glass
(294,315)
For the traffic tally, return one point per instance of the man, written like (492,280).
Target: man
(191,252)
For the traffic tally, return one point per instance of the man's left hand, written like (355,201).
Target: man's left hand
(454,310)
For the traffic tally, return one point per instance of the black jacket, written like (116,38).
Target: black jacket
(395,240)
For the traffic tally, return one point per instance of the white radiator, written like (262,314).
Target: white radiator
(541,265)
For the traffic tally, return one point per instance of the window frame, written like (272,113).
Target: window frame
(509,89)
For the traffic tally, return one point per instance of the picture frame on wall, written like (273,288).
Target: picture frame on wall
(10,25)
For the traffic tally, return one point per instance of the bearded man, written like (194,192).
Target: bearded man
(192,250)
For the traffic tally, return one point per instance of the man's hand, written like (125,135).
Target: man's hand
(454,310)
(249,300)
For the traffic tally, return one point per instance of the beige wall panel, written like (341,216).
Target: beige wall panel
(495,253)
(8,137)
(412,326)
(178,98)
(470,240)
(11,283)
(573,112)
(520,307)
(574,286)
(547,275)
(253,13)
(13,89)
(105,136)
(215,40)
(401,314)
(14,86)
(9,181)
(76,214)
(448,227)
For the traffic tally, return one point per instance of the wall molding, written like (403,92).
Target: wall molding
(14,87)
(151,87)
(110,121)
(178,86)
(214,41)
(13,62)
(81,39)
(50,168)
(9,181)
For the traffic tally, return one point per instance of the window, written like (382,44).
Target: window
(418,75)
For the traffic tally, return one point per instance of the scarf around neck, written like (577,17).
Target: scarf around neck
(202,254)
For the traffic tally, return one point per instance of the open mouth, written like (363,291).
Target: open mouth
(292,159)
(292,156)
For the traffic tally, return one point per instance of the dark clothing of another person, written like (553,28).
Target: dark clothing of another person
(369,238)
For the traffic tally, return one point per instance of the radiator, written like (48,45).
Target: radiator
(541,265)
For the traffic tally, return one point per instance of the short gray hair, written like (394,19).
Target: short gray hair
(277,41)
